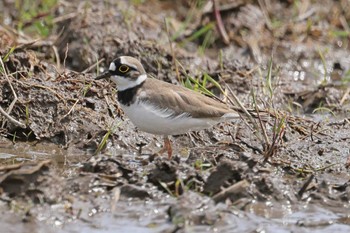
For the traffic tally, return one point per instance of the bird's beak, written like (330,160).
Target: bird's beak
(105,74)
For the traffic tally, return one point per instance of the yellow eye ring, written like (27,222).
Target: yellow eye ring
(123,68)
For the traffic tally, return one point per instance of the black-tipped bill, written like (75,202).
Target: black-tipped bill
(105,74)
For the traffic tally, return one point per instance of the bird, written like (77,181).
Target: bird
(161,108)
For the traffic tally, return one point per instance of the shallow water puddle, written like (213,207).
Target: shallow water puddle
(24,151)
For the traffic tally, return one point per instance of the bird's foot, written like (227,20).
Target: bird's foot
(166,148)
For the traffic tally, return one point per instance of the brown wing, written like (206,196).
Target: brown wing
(180,99)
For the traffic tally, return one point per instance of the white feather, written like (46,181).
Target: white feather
(230,115)
(126,83)
(112,67)
(152,119)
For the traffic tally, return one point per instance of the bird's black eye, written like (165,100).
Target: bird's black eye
(123,68)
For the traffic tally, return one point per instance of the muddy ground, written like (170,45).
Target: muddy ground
(72,162)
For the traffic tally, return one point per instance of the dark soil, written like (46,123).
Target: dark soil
(72,162)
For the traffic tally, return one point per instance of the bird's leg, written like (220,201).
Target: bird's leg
(166,147)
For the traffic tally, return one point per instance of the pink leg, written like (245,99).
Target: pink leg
(167,147)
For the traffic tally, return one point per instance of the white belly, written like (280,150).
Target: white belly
(156,121)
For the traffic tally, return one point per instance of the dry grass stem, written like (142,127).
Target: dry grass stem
(219,23)
(238,187)
(93,66)
(245,111)
(11,119)
(345,96)
(57,56)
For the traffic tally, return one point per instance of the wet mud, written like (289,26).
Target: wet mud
(71,161)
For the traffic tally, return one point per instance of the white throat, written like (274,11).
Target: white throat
(126,83)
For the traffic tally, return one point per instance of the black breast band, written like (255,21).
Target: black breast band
(127,96)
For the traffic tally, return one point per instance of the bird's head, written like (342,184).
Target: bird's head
(126,72)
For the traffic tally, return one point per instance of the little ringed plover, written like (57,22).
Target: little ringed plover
(158,107)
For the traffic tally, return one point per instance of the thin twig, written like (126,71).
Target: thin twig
(219,23)
(245,111)
(10,118)
(267,141)
(64,17)
(238,187)
(33,43)
(93,66)
(345,96)
(71,109)
(305,186)
(9,82)
(58,62)
(15,98)
(65,56)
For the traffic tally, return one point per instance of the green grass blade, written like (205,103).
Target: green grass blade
(201,87)
(103,142)
(198,33)
(208,39)
(323,109)
(214,82)
(9,53)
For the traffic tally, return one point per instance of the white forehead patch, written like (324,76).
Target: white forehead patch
(124,61)
(112,66)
